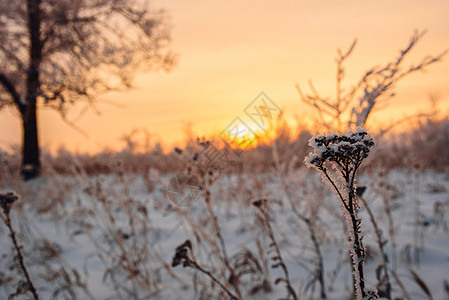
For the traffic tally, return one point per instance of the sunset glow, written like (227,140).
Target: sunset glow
(229,52)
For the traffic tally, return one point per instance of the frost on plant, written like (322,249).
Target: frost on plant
(345,153)
(346,150)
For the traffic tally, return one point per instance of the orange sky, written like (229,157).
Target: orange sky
(230,51)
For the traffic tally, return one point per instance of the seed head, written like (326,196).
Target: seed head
(6,201)
(181,254)
(345,149)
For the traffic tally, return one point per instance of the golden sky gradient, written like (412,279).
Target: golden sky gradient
(230,51)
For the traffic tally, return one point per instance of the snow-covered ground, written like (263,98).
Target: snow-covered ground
(114,237)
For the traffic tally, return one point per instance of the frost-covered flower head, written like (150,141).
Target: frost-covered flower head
(345,149)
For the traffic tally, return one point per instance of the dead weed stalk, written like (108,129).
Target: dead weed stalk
(6,202)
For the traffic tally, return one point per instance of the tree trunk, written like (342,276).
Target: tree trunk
(30,160)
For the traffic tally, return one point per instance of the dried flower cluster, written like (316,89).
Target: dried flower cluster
(181,255)
(6,201)
(347,150)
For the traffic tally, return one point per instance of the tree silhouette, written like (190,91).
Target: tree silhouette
(58,52)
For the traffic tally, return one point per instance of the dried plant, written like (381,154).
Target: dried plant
(310,221)
(387,192)
(183,255)
(440,216)
(261,205)
(204,168)
(125,248)
(382,272)
(418,226)
(246,263)
(345,153)
(352,107)
(6,202)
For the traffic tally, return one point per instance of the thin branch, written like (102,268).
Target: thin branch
(405,119)
(341,73)
(199,268)
(7,84)
(75,127)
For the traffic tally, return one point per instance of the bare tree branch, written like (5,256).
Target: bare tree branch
(376,86)
(13,92)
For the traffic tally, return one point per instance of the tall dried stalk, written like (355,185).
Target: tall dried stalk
(353,106)
(311,227)
(384,286)
(184,256)
(384,189)
(261,205)
(205,168)
(345,153)
(6,202)
(310,223)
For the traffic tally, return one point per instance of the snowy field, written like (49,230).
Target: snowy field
(114,236)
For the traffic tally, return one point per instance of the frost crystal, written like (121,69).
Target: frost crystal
(345,149)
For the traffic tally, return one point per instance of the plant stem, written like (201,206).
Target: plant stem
(320,265)
(290,289)
(20,260)
(381,248)
(358,260)
(199,268)
(356,251)
(310,226)
(217,229)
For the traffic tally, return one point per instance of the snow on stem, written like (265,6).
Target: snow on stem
(344,153)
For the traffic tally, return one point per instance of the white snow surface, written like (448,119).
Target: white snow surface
(67,212)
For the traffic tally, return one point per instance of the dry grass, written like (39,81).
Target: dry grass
(115,216)
(427,142)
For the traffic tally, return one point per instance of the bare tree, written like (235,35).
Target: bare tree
(352,107)
(58,52)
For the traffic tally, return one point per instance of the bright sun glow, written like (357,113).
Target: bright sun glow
(245,136)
